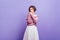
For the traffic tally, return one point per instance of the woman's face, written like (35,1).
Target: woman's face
(31,9)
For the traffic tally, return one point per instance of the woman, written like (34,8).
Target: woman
(31,32)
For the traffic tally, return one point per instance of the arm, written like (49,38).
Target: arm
(29,19)
(35,18)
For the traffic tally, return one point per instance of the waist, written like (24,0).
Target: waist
(31,24)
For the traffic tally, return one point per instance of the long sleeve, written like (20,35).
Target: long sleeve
(35,18)
(29,20)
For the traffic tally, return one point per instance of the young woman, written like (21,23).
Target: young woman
(31,32)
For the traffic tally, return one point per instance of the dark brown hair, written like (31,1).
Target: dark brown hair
(32,7)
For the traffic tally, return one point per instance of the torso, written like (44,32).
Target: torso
(30,22)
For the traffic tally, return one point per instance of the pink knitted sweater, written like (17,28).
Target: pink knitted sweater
(30,20)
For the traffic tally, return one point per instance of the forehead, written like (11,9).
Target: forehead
(31,8)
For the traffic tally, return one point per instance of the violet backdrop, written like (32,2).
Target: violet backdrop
(13,14)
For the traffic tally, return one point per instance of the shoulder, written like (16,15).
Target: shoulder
(28,14)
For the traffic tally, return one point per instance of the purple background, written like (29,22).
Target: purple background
(13,14)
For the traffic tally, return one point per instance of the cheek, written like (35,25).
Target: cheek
(32,10)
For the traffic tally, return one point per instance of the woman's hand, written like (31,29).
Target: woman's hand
(31,13)
(34,16)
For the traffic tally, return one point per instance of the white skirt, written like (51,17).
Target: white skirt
(31,33)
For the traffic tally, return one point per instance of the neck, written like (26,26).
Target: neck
(32,12)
